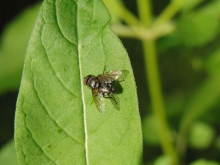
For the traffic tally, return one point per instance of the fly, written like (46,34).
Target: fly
(103,86)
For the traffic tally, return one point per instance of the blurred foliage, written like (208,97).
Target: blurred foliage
(162,160)
(8,154)
(13,47)
(151,135)
(204,162)
(187,41)
(201,135)
(199,27)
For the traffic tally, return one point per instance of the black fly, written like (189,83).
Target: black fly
(102,86)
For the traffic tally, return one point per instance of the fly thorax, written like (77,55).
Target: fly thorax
(92,82)
(106,89)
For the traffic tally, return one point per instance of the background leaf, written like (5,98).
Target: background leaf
(15,35)
(194,28)
(8,154)
(190,4)
(203,28)
(55,120)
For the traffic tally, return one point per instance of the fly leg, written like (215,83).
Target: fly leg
(110,97)
(104,69)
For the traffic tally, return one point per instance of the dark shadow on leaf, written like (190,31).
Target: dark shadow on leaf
(117,86)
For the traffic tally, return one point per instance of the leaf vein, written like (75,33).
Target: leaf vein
(22,151)
(54,119)
(28,129)
(56,74)
(112,147)
(100,125)
(55,8)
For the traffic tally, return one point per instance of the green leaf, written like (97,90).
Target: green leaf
(197,29)
(13,47)
(190,4)
(8,154)
(212,8)
(55,120)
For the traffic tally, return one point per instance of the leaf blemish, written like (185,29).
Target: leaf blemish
(59,130)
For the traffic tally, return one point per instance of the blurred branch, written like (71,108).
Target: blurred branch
(143,34)
(135,28)
(169,12)
(124,14)
(151,67)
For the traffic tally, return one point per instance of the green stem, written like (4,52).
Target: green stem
(157,100)
(169,12)
(123,13)
(151,68)
(135,28)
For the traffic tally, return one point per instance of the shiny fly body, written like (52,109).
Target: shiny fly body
(102,86)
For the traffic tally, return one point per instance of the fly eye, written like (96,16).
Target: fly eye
(85,80)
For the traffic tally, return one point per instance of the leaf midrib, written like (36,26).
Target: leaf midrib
(82,86)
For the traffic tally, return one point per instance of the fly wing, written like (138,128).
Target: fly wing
(99,100)
(111,76)
(123,76)
(115,101)
(119,75)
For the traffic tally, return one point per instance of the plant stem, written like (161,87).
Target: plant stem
(169,12)
(136,29)
(151,68)
(157,100)
(123,13)
(128,32)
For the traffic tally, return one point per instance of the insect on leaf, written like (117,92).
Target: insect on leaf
(99,101)
(55,122)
